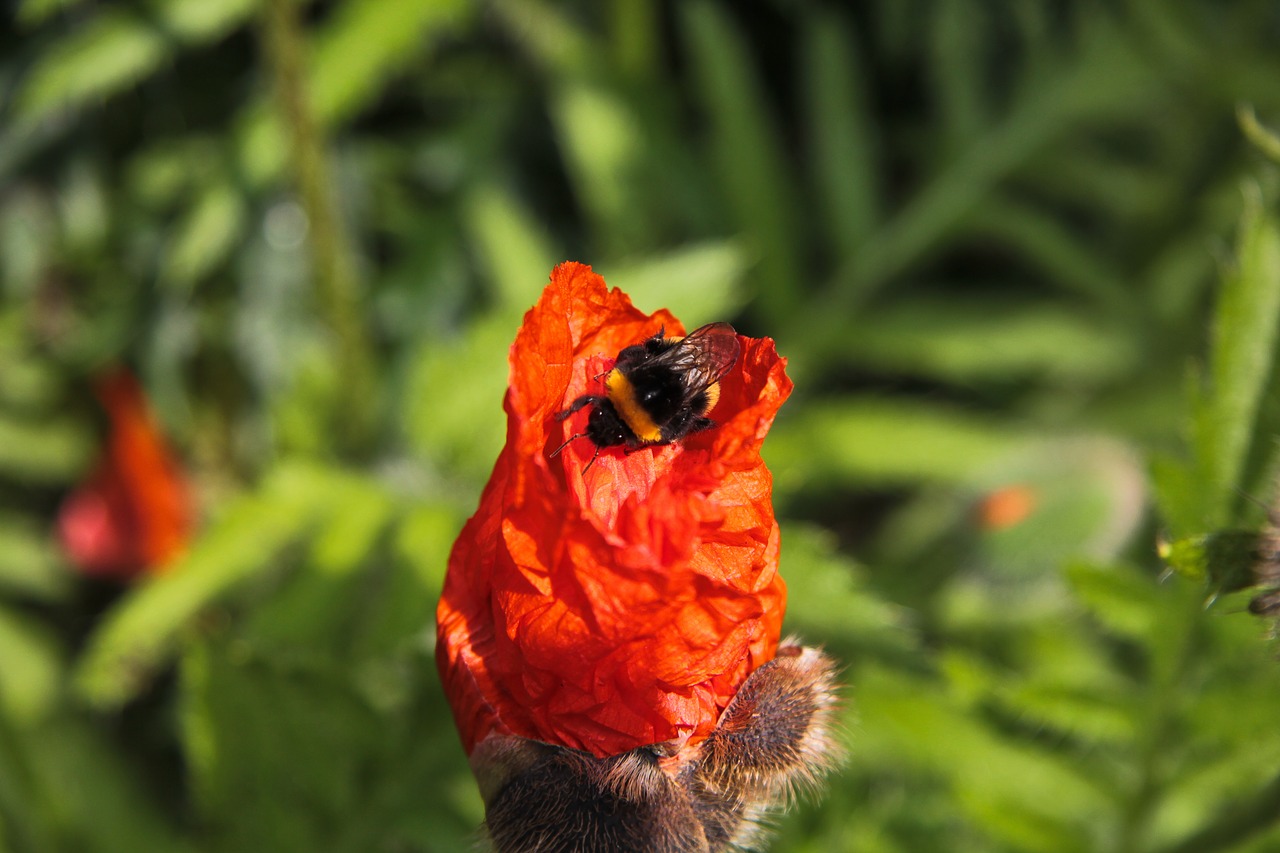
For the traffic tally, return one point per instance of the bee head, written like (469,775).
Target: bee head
(604,426)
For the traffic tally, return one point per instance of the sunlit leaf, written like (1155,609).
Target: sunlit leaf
(602,142)
(460,423)
(827,595)
(1117,597)
(289,755)
(202,20)
(140,633)
(1027,795)
(32,676)
(48,452)
(109,53)
(1245,329)
(883,441)
(365,43)
(972,338)
(205,237)
(698,283)
(515,250)
(29,563)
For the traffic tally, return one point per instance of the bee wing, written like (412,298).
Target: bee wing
(704,356)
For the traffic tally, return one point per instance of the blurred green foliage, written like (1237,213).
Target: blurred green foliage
(1003,244)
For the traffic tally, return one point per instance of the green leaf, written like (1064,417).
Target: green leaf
(878,442)
(1026,795)
(366,43)
(1103,81)
(27,384)
(32,676)
(29,563)
(1074,264)
(288,756)
(843,136)
(1117,597)
(547,33)
(601,141)
(113,51)
(423,541)
(461,425)
(698,283)
(745,148)
(514,249)
(353,57)
(827,600)
(324,605)
(28,241)
(1266,141)
(971,338)
(264,759)
(957,66)
(198,21)
(43,452)
(205,237)
(88,794)
(140,633)
(1240,363)
(349,535)
(402,610)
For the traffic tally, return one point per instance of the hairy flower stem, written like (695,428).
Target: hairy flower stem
(337,281)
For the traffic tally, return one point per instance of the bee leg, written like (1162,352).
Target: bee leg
(581,402)
(594,457)
(774,737)
(551,799)
(700,423)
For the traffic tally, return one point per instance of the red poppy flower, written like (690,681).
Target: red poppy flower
(134,512)
(624,605)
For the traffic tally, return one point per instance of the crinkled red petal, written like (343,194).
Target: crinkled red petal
(625,606)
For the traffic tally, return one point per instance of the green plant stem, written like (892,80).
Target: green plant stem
(338,289)
(1263,139)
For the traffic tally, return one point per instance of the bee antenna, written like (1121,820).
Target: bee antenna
(571,439)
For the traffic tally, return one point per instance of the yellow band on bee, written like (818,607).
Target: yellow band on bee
(623,396)
(713,397)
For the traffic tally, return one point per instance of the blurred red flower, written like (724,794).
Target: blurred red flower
(624,606)
(1006,507)
(134,513)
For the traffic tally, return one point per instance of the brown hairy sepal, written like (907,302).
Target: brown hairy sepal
(775,738)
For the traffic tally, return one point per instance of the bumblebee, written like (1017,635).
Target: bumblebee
(658,391)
